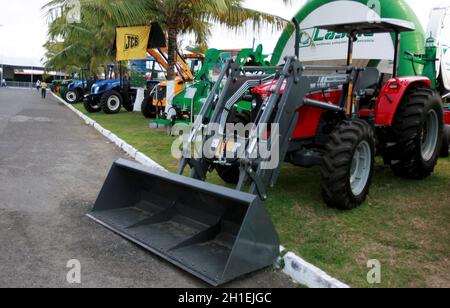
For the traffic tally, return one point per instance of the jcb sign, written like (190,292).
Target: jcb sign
(132,43)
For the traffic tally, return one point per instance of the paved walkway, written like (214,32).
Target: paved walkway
(51,168)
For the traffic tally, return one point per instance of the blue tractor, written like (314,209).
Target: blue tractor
(111,94)
(75,90)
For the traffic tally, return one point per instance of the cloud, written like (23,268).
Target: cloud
(23,33)
(25,28)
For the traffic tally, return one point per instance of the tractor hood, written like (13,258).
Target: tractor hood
(77,84)
(104,84)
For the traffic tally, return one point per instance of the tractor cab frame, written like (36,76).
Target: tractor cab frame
(335,120)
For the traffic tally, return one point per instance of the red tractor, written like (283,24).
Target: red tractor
(341,121)
(338,121)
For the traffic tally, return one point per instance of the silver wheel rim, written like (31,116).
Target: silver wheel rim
(71,96)
(360,169)
(430,135)
(113,103)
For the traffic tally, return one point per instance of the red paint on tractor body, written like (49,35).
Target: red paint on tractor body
(386,105)
(309,117)
(391,96)
(447,116)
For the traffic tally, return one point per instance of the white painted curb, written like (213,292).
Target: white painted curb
(295,267)
(307,274)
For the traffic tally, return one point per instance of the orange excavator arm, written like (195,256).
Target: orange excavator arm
(161,56)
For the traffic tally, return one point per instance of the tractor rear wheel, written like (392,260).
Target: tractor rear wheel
(348,165)
(111,102)
(417,127)
(445,150)
(147,107)
(92,106)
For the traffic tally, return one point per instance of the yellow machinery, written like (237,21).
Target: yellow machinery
(155,100)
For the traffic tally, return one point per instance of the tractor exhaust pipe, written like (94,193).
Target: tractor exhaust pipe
(297,37)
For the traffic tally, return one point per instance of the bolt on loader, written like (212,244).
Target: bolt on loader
(338,120)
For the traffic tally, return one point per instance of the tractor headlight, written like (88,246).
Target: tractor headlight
(96,89)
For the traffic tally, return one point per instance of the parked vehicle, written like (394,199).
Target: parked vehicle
(154,101)
(337,121)
(76,89)
(188,103)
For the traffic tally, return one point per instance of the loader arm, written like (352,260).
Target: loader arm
(279,108)
(161,56)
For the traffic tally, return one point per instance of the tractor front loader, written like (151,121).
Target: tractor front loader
(186,106)
(335,120)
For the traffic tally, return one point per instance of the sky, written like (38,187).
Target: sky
(24,28)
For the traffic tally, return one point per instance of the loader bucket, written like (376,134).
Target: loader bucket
(214,233)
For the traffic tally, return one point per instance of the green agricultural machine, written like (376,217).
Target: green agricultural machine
(55,86)
(187,104)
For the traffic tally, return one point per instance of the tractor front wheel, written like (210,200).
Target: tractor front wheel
(92,106)
(111,102)
(348,165)
(418,127)
(71,96)
(129,107)
(445,150)
(147,107)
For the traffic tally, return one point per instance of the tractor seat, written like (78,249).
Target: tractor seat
(368,82)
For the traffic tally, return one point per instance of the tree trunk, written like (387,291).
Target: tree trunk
(172,49)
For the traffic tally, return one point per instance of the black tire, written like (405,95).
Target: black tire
(71,96)
(63,94)
(111,102)
(129,107)
(147,107)
(350,138)
(445,150)
(230,174)
(92,106)
(409,159)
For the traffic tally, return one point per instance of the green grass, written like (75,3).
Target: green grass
(404,224)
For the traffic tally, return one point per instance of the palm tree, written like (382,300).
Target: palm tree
(178,17)
(72,46)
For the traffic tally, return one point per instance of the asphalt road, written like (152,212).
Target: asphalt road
(51,168)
